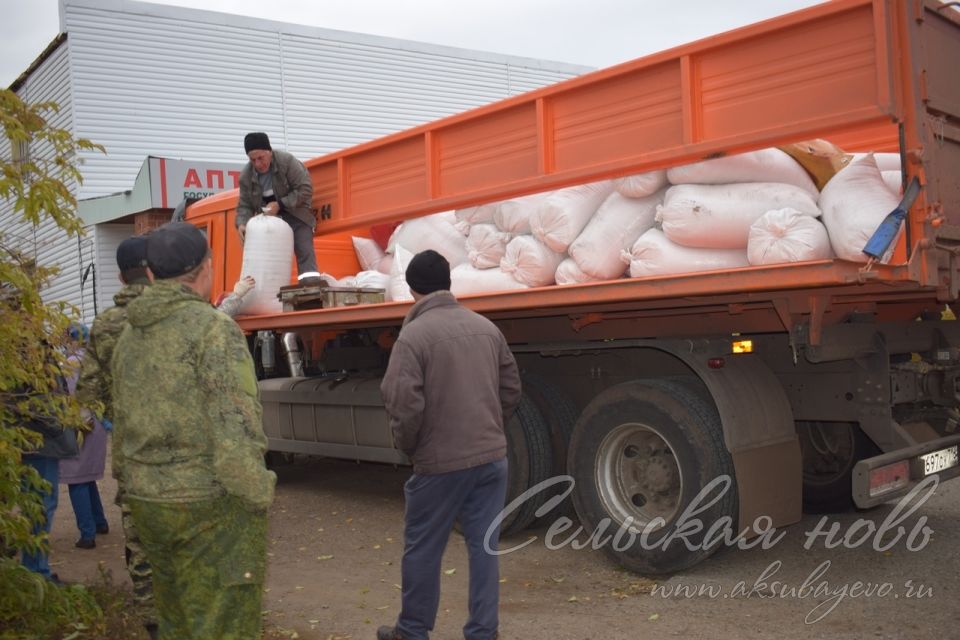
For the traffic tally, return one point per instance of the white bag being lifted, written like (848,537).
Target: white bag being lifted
(719,216)
(615,227)
(855,202)
(531,262)
(765,165)
(267,256)
(560,219)
(786,235)
(654,255)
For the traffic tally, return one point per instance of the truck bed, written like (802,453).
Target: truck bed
(866,75)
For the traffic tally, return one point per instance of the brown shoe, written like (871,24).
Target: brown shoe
(85,543)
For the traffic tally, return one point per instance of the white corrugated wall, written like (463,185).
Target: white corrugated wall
(106,238)
(50,81)
(174,82)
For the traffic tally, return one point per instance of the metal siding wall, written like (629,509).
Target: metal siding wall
(150,85)
(51,246)
(191,86)
(107,238)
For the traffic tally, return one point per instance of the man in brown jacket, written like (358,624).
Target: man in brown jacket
(450,386)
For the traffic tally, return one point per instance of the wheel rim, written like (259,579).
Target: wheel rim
(638,476)
(828,452)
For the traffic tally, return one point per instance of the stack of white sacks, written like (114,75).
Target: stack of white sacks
(757,208)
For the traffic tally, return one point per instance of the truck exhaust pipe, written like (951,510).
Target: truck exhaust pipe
(291,346)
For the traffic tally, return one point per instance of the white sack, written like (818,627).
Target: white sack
(398,289)
(642,184)
(476,215)
(465,280)
(885,161)
(386,264)
(561,217)
(372,280)
(531,262)
(513,216)
(854,203)
(654,255)
(267,256)
(486,245)
(893,180)
(765,165)
(569,273)
(786,235)
(615,227)
(368,251)
(719,216)
(431,232)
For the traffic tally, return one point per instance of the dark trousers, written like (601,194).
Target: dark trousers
(87,507)
(433,502)
(302,243)
(49,470)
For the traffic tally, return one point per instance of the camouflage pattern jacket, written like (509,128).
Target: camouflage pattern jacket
(188,419)
(95,380)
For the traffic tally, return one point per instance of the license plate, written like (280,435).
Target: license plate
(939,460)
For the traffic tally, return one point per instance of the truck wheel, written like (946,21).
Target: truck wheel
(643,450)
(560,414)
(529,463)
(830,450)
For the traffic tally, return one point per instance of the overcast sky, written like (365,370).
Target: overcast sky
(597,33)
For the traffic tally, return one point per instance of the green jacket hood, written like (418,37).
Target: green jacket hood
(159,301)
(130,291)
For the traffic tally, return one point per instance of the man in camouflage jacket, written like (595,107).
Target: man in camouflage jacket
(189,442)
(94,386)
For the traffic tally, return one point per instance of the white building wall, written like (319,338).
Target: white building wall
(183,83)
(47,242)
(106,239)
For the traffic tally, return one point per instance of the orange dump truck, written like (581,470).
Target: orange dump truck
(816,384)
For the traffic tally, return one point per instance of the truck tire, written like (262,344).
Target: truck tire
(830,450)
(560,414)
(529,462)
(645,449)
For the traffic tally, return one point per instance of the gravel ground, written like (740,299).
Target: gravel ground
(336,537)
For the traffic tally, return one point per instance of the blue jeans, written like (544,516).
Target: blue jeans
(474,497)
(49,470)
(88,509)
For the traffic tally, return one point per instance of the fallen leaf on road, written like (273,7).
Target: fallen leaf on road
(450,572)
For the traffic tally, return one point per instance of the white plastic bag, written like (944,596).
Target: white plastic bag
(368,251)
(886,161)
(372,280)
(654,255)
(561,217)
(398,289)
(466,280)
(786,235)
(854,203)
(719,216)
(764,165)
(569,273)
(477,215)
(513,216)
(385,265)
(531,262)
(615,227)
(893,180)
(435,232)
(642,184)
(486,245)
(267,256)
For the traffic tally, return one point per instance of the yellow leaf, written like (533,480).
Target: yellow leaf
(572,599)
(450,572)
(655,616)
(325,557)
